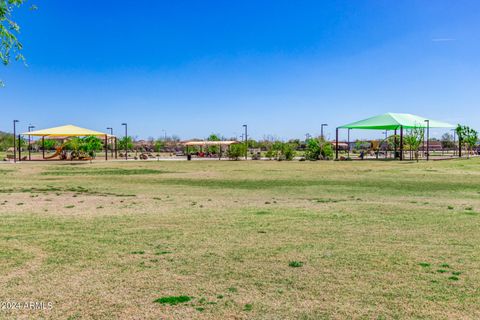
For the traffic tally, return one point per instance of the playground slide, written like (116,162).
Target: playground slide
(56,154)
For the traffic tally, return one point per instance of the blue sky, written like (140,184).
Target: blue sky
(283,67)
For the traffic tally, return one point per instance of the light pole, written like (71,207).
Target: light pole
(111,137)
(126,140)
(428,138)
(321,130)
(29,147)
(14,140)
(164,135)
(454,142)
(348,143)
(386,141)
(246,141)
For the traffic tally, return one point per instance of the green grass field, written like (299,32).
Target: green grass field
(221,239)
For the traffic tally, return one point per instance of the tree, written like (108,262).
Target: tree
(312,151)
(9,29)
(6,141)
(467,137)
(74,144)
(447,141)
(413,140)
(125,143)
(288,151)
(49,144)
(91,144)
(235,151)
(472,139)
(361,145)
(318,148)
(276,149)
(158,145)
(213,149)
(281,151)
(253,144)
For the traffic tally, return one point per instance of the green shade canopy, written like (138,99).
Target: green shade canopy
(392,121)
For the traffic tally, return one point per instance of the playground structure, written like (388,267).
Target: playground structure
(383,148)
(64,133)
(396,122)
(58,153)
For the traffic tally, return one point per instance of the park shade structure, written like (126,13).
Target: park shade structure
(201,144)
(394,121)
(70,131)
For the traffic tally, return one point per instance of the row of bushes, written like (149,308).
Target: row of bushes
(316,149)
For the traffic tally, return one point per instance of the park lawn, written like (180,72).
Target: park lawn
(237,239)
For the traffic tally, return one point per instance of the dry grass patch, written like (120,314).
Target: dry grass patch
(242,239)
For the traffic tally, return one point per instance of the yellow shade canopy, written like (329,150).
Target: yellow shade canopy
(65,131)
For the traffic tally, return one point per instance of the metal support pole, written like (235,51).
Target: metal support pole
(43,147)
(336,144)
(386,141)
(348,144)
(19,148)
(116,147)
(126,140)
(106,147)
(111,139)
(401,143)
(428,138)
(29,143)
(111,147)
(14,141)
(321,130)
(246,142)
(395,144)
(460,141)
(454,143)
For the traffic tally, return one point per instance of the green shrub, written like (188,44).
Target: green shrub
(125,143)
(158,145)
(318,149)
(235,151)
(281,151)
(288,151)
(91,144)
(213,149)
(270,154)
(49,144)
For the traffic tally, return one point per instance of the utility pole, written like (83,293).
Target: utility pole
(348,143)
(111,137)
(428,138)
(126,140)
(321,130)
(454,142)
(29,147)
(14,141)
(386,141)
(246,142)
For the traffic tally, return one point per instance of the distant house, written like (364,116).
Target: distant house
(433,145)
